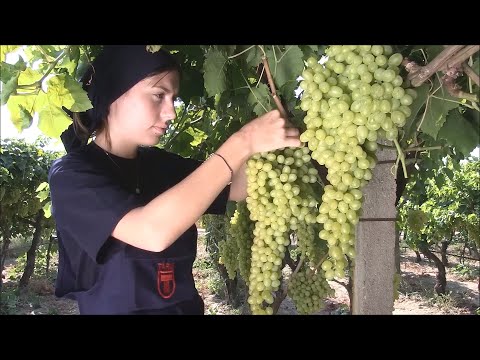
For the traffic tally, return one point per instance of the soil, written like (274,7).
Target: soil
(416,295)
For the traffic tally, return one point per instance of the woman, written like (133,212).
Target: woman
(125,210)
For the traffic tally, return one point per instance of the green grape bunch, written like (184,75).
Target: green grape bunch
(281,196)
(352,100)
(228,251)
(307,289)
(241,230)
(417,219)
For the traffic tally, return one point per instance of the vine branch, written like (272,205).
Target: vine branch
(471,73)
(419,74)
(273,89)
(462,55)
(282,295)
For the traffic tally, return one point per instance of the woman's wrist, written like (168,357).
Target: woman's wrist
(236,150)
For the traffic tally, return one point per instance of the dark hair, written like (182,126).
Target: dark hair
(115,70)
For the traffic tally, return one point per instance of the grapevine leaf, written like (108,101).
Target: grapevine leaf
(438,108)
(21,109)
(285,65)
(449,173)
(52,120)
(214,72)
(433,50)
(47,209)
(9,88)
(259,97)
(81,102)
(418,103)
(254,57)
(440,180)
(181,145)
(57,93)
(8,71)
(5,49)
(459,133)
(198,136)
(311,50)
(41,186)
(287,93)
(29,76)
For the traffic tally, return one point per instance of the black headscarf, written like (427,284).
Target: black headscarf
(113,72)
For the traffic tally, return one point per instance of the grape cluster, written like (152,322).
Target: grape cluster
(416,220)
(281,195)
(307,289)
(228,251)
(351,101)
(241,230)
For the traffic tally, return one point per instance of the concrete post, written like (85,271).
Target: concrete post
(375,242)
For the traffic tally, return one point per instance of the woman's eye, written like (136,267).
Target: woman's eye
(159,96)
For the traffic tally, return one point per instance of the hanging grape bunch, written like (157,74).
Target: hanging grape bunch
(307,289)
(353,100)
(281,196)
(235,251)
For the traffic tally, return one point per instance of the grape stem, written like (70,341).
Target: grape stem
(423,148)
(281,296)
(401,157)
(38,83)
(241,52)
(321,261)
(271,83)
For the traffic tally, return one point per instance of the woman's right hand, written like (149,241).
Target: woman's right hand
(270,132)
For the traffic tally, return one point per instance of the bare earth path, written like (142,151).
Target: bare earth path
(416,295)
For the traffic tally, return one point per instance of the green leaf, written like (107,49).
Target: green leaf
(181,145)
(5,49)
(449,173)
(438,108)
(311,50)
(214,72)
(433,50)
(57,93)
(254,57)
(29,76)
(70,61)
(8,88)
(81,102)
(47,210)
(8,71)
(285,65)
(52,120)
(21,110)
(259,98)
(440,180)
(198,136)
(287,94)
(460,133)
(418,103)
(42,186)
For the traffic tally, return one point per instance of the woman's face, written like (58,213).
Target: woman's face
(142,115)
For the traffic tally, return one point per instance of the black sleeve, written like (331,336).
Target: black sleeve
(180,167)
(86,203)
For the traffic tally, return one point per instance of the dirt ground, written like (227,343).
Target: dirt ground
(416,295)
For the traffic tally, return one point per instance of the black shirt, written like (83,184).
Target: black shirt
(91,191)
